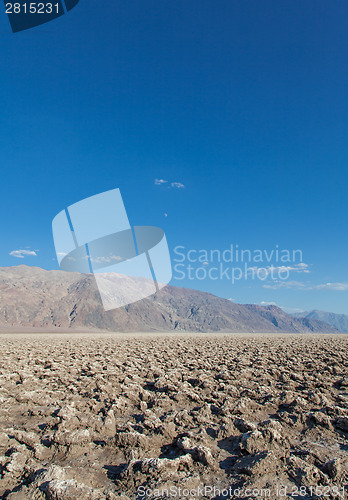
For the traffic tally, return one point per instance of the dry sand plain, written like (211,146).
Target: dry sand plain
(104,416)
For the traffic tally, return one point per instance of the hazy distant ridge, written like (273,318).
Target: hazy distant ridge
(339,321)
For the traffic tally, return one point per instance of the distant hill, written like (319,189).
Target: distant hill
(339,321)
(282,320)
(33,297)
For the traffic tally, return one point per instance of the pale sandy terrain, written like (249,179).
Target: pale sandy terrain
(105,416)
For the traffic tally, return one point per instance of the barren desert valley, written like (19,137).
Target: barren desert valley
(93,408)
(107,416)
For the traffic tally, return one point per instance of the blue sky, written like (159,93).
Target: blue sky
(244,103)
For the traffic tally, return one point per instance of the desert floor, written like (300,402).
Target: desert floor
(105,416)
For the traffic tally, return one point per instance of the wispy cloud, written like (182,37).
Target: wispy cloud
(288,310)
(107,259)
(297,268)
(160,182)
(338,287)
(276,285)
(20,254)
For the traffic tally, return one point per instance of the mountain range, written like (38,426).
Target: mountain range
(40,299)
(339,321)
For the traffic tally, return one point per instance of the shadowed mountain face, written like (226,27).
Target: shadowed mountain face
(339,321)
(33,297)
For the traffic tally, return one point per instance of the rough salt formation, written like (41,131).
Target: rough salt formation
(107,416)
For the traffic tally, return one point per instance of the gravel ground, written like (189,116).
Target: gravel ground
(131,416)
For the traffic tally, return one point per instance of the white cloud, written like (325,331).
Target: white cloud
(266,271)
(338,287)
(276,285)
(160,182)
(288,310)
(107,259)
(20,254)
(302,267)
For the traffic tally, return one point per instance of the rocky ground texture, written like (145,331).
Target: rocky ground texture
(222,416)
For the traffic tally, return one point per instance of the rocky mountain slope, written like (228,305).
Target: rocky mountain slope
(33,297)
(339,321)
(284,321)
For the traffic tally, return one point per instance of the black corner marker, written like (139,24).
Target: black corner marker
(26,14)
